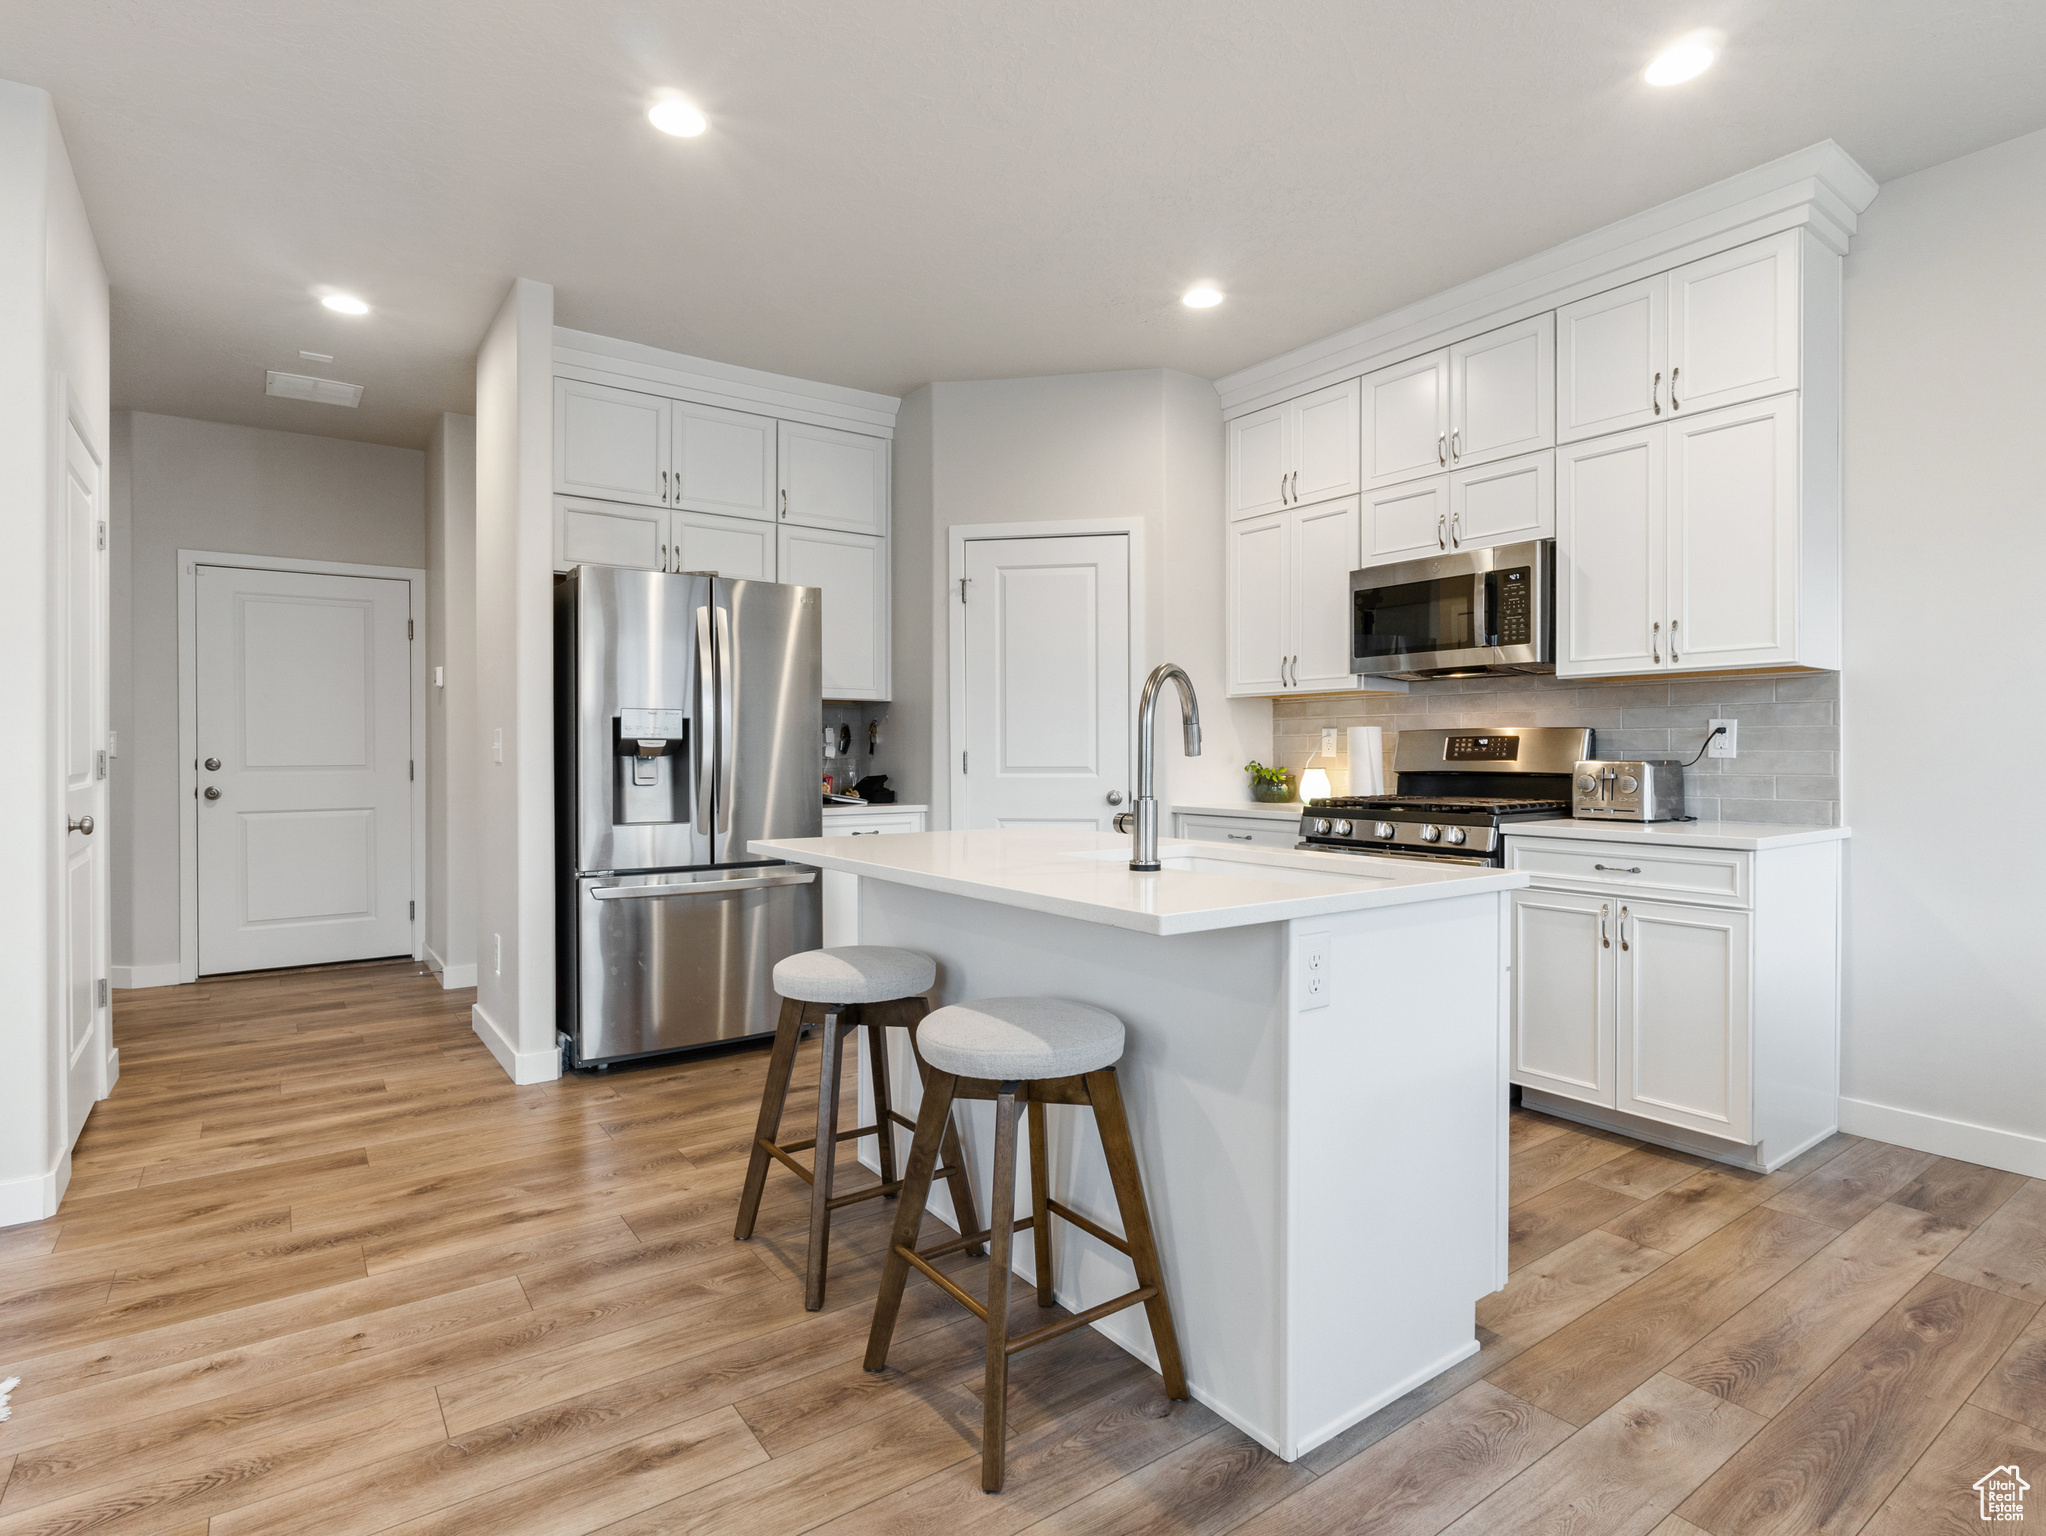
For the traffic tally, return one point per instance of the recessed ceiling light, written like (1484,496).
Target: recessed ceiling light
(1681,61)
(1201,297)
(345,304)
(676,116)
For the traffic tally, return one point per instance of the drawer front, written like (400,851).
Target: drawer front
(1253,830)
(864,823)
(1720,876)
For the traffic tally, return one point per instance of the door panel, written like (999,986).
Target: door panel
(1260,588)
(608,533)
(724,546)
(1733,331)
(1502,392)
(1325,427)
(82,733)
(1325,551)
(724,461)
(770,652)
(1260,454)
(833,479)
(1611,363)
(1563,999)
(1403,521)
(853,572)
(612,443)
(1684,1017)
(1503,503)
(1609,558)
(1733,536)
(304,699)
(1406,420)
(1047,672)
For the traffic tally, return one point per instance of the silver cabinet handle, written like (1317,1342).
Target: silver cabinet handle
(1296,487)
(1673,641)
(1115,797)
(1440,457)
(84,824)
(1604,909)
(1655,641)
(1456,530)
(785,501)
(1440,541)
(1238,837)
(1455,444)
(1614,869)
(212,793)
(1673,389)
(706,700)
(664,485)
(664,557)
(700,887)
(1655,394)
(1623,928)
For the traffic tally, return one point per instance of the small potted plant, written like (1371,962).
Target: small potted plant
(1273,786)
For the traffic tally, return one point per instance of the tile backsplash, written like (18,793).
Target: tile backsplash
(1788,770)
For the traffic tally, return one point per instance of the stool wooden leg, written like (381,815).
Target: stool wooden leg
(1121,1153)
(933,1120)
(1002,1228)
(877,1069)
(825,1161)
(1040,1203)
(963,1206)
(780,1066)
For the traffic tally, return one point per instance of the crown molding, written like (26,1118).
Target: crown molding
(1820,189)
(608,360)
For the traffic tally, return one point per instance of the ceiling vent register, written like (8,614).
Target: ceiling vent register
(300,386)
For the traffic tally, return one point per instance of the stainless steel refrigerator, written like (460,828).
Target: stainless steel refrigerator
(687,714)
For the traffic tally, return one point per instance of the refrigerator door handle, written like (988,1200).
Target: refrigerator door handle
(728,745)
(699,887)
(706,698)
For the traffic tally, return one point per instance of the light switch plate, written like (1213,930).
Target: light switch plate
(1727,745)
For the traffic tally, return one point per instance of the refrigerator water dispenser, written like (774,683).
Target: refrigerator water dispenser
(650,766)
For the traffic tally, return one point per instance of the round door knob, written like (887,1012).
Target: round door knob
(1586,783)
(213,765)
(1453,835)
(1321,828)
(212,793)
(1628,784)
(1115,797)
(1382,829)
(1342,829)
(1431,834)
(83,824)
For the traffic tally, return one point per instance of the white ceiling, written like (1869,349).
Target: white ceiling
(933,189)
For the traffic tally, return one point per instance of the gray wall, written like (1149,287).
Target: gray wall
(451,703)
(232,490)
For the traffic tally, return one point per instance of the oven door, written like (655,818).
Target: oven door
(1474,611)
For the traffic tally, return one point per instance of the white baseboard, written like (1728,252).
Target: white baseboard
(126,978)
(2013,1151)
(522,1067)
(452,977)
(113,1069)
(35,1197)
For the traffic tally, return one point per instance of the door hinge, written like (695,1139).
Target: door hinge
(101,988)
(408,629)
(102,535)
(963,580)
(412,910)
(99,765)
(411,768)
(962,762)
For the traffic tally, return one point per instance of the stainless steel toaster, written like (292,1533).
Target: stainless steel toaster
(1641,789)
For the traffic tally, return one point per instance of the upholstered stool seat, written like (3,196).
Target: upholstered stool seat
(1015,1039)
(854,973)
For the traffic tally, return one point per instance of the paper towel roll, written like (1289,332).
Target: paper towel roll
(1367,760)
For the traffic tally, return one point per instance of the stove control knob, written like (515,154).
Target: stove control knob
(1320,828)
(1628,784)
(1382,829)
(1586,783)
(1431,834)
(1452,834)
(1342,829)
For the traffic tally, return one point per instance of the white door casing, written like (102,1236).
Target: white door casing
(82,919)
(303,699)
(1046,669)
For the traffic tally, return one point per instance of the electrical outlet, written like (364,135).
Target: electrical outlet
(1328,741)
(439,678)
(497,745)
(1727,745)
(1317,983)
(497,956)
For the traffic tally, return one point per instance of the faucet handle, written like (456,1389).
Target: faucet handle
(1124,821)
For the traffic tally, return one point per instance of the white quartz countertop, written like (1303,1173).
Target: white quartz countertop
(1752,836)
(1086,875)
(1289,810)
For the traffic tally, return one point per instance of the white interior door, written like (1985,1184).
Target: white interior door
(83,733)
(1047,682)
(304,779)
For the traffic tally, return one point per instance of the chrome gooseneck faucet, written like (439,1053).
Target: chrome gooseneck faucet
(1143,816)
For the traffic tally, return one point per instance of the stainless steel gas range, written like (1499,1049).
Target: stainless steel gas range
(1455,790)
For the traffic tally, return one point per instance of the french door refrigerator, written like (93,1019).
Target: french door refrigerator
(687,712)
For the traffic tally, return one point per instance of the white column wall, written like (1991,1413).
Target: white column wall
(451,706)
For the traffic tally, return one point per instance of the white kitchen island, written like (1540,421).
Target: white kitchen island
(1316,1076)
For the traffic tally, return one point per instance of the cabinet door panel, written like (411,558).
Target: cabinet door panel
(724,461)
(1260,454)
(608,533)
(1325,426)
(1325,540)
(1611,360)
(1563,1002)
(1733,326)
(833,479)
(852,570)
(1684,1017)
(736,547)
(1405,521)
(1610,498)
(1406,420)
(1502,392)
(1503,503)
(608,442)
(1260,586)
(1733,536)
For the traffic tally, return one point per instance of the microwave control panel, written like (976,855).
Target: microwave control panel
(1516,607)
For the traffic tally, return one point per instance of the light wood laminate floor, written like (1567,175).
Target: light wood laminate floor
(322,1269)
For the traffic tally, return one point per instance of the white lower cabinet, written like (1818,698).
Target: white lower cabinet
(852,571)
(1711,1024)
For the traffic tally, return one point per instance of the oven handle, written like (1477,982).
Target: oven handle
(698,887)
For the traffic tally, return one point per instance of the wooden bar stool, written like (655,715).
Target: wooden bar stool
(1029,1051)
(863,984)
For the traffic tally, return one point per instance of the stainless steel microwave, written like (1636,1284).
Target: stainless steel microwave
(1458,614)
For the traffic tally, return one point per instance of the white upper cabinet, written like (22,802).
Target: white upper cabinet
(609,533)
(1610,501)
(1294,453)
(833,479)
(723,461)
(1404,522)
(1502,393)
(1733,324)
(609,442)
(1503,502)
(1612,360)
(852,570)
(1406,420)
(738,547)
(1260,579)
(1325,551)
(1289,599)
(1733,494)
